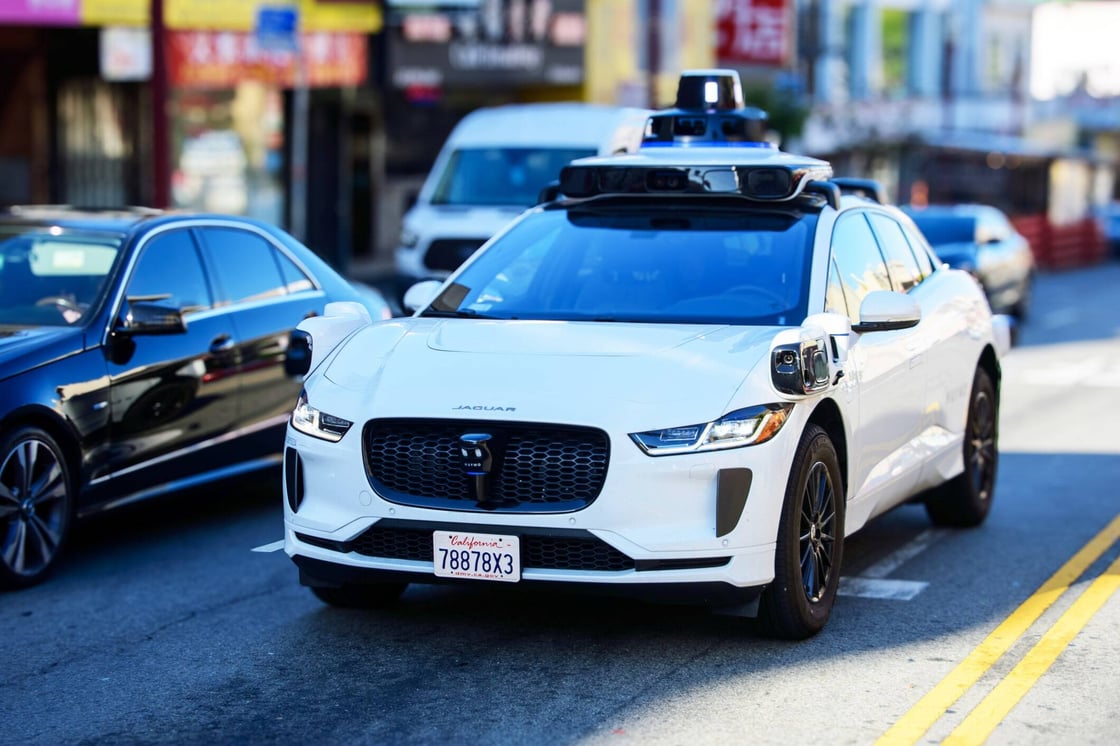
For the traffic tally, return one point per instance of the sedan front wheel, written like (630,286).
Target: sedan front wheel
(36,505)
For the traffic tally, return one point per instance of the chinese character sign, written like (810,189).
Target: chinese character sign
(755,32)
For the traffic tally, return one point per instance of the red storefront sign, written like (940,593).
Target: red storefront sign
(221,59)
(755,32)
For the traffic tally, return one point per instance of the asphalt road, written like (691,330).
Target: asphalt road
(163,626)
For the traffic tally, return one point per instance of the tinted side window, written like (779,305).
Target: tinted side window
(170,266)
(244,263)
(861,266)
(900,260)
(294,278)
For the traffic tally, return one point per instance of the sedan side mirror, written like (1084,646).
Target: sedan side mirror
(145,318)
(885,310)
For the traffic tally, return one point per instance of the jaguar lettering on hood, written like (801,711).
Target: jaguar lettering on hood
(484,408)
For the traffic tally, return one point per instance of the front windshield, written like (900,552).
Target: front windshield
(642,263)
(502,176)
(52,277)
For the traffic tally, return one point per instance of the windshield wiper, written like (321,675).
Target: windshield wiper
(462,313)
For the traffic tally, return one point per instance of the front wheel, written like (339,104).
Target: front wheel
(965,500)
(36,506)
(373,596)
(810,542)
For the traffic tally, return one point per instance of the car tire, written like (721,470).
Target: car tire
(810,544)
(37,499)
(966,499)
(373,596)
(1022,308)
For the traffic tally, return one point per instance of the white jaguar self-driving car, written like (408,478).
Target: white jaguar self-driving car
(689,376)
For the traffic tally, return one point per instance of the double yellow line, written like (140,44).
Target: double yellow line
(994,708)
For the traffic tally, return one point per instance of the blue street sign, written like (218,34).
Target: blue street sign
(277,27)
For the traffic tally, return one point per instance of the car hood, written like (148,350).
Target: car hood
(646,375)
(460,221)
(24,348)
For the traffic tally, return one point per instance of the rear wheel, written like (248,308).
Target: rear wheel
(810,542)
(966,499)
(373,596)
(36,506)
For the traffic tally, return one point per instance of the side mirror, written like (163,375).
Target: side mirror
(297,360)
(144,318)
(807,360)
(421,294)
(886,310)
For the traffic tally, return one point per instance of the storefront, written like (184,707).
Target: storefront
(86,79)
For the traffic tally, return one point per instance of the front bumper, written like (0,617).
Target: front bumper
(659,527)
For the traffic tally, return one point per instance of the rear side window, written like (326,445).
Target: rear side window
(921,251)
(245,265)
(901,265)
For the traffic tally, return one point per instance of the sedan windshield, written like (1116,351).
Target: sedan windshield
(53,278)
(946,229)
(641,263)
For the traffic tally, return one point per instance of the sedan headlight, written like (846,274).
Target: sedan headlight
(310,421)
(743,427)
(409,239)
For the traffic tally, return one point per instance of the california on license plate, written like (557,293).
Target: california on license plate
(483,556)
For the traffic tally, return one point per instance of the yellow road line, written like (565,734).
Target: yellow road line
(980,723)
(921,717)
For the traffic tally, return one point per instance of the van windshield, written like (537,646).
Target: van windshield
(502,176)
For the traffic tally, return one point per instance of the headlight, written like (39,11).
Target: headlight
(310,421)
(409,239)
(743,427)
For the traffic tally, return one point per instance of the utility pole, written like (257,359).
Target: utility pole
(653,50)
(161,150)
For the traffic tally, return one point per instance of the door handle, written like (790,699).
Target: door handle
(221,343)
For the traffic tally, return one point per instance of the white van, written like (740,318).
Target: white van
(494,165)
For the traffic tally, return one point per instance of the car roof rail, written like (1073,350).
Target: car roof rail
(870,189)
(830,190)
(549,193)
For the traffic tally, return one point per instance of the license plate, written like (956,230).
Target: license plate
(482,556)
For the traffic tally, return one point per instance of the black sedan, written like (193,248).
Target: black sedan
(140,352)
(981,240)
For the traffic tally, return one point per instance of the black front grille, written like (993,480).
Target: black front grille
(570,550)
(537,468)
(448,253)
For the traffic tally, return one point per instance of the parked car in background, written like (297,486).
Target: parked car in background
(981,240)
(1109,216)
(140,352)
(494,165)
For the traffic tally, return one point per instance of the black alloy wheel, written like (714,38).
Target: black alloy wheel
(36,506)
(810,544)
(818,532)
(966,500)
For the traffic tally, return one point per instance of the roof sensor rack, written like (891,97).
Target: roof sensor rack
(709,111)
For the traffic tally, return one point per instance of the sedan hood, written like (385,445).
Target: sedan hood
(24,348)
(648,375)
